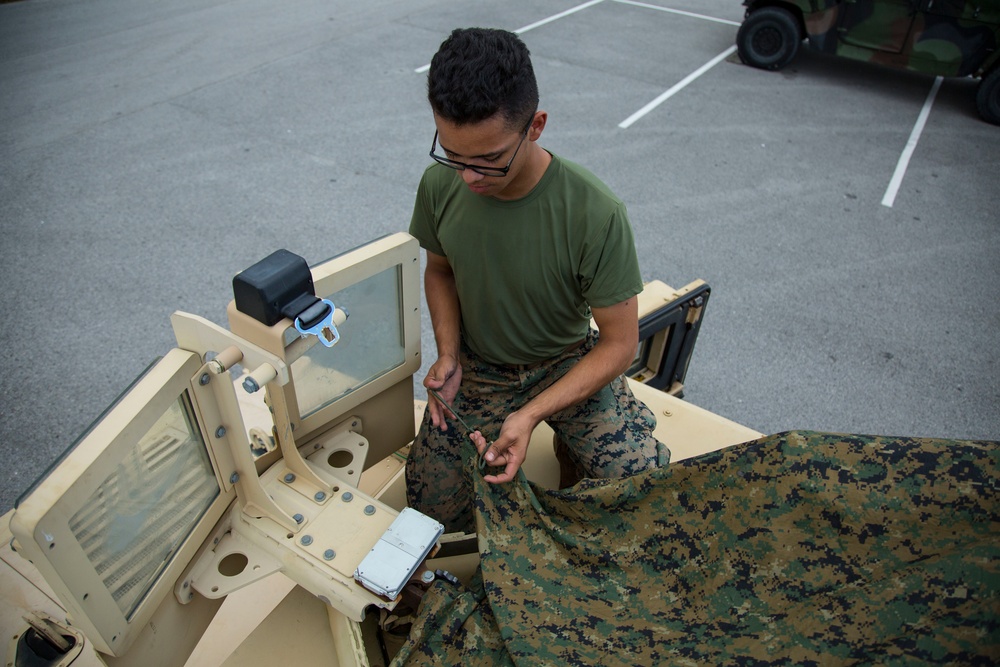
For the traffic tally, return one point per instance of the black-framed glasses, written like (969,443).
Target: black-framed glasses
(479,169)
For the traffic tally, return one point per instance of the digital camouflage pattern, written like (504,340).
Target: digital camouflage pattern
(796,549)
(609,435)
(943,37)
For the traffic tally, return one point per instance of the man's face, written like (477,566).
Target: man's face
(489,143)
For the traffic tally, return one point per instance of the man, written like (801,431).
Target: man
(522,248)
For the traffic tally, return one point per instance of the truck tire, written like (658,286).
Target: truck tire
(769,38)
(988,97)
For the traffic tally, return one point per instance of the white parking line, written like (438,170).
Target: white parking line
(904,160)
(677,11)
(552,18)
(536,24)
(677,87)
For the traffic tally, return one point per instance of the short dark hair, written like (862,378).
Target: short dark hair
(479,72)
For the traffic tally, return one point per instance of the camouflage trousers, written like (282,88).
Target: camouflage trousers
(607,436)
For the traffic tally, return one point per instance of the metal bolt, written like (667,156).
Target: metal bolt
(219,432)
(290,477)
(251,386)
(204,379)
(347,497)
(369,509)
(306,540)
(298,518)
(320,496)
(235,477)
(329,554)
(427,577)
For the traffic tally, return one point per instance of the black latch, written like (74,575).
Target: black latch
(278,286)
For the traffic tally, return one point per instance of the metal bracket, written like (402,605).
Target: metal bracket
(339,454)
(230,566)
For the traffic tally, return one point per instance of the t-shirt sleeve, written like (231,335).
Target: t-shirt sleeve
(610,268)
(423,225)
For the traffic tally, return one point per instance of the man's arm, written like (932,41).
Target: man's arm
(610,357)
(445,375)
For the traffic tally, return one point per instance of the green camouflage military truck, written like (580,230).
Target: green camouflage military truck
(954,38)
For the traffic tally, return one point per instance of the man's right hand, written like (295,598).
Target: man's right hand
(445,377)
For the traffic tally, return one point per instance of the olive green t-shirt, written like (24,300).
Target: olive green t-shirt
(528,271)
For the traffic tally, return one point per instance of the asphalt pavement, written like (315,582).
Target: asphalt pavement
(149,151)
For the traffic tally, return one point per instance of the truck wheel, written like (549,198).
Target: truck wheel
(769,38)
(988,97)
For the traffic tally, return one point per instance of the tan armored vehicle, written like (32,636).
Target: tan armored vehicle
(244,497)
(242,503)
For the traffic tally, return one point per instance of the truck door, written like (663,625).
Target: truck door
(973,11)
(959,34)
(879,25)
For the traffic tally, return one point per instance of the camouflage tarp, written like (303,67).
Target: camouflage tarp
(795,549)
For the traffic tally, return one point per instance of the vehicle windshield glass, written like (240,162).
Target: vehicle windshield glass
(371,343)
